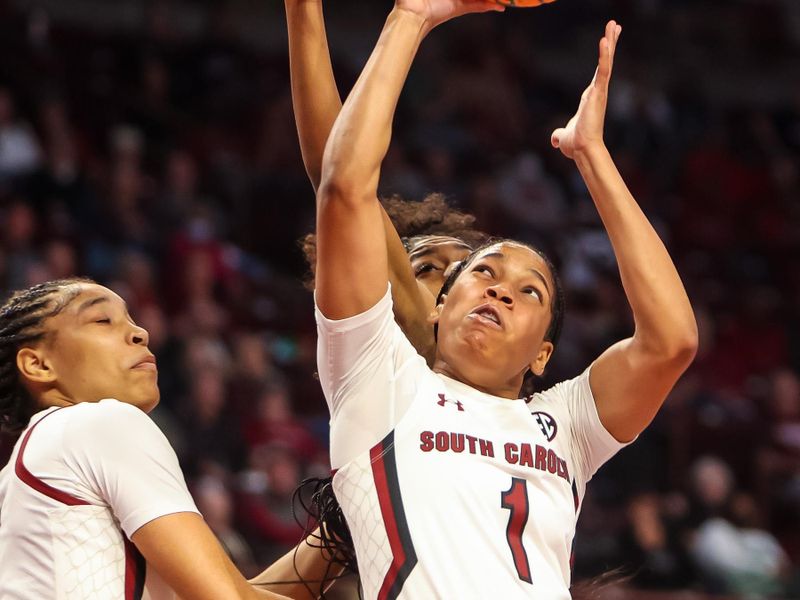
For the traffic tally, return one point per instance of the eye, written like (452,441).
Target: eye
(104,320)
(485,269)
(532,291)
(425,268)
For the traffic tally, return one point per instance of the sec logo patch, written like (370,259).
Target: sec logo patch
(547,424)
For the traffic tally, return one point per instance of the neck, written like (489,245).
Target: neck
(54,397)
(509,389)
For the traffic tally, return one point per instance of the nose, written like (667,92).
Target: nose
(139,336)
(498,292)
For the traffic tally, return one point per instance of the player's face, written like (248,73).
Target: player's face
(493,321)
(433,258)
(97,351)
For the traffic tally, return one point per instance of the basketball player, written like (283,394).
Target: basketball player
(452,486)
(93,503)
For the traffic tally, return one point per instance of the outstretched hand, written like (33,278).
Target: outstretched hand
(586,127)
(436,12)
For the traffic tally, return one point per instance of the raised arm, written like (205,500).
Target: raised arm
(317,103)
(632,378)
(352,264)
(315,97)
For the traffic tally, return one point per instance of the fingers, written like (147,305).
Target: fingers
(611,35)
(613,31)
(493,5)
(484,6)
(604,62)
(611,27)
(607,48)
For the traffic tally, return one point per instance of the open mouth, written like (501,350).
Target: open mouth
(488,315)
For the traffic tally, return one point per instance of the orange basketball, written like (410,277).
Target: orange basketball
(523,3)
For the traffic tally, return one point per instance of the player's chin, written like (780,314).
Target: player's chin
(146,398)
(150,404)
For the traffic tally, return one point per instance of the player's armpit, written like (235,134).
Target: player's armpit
(184,551)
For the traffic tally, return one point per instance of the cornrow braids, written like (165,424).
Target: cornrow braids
(21,319)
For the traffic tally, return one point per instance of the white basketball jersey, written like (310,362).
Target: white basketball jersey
(68,496)
(450,492)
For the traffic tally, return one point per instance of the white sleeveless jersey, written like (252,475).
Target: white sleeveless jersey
(450,492)
(80,482)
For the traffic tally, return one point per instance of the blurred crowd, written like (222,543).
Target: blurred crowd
(161,160)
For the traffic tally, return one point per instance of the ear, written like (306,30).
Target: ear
(433,316)
(544,354)
(34,366)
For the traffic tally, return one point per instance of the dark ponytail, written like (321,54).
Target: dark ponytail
(317,511)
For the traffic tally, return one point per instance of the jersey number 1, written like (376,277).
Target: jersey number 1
(515,499)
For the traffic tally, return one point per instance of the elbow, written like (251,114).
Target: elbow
(682,347)
(685,350)
(676,348)
(689,340)
(342,190)
(333,186)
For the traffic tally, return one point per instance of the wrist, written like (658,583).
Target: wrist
(412,19)
(590,151)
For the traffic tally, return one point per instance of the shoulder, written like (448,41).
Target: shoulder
(575,388)
(569,402)
(113,436)
(107,418)
(377,312)
(105,410)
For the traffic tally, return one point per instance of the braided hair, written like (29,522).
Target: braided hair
(21,319)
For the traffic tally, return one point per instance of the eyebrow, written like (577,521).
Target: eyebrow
(532,270)
(87,304)
(430,249)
